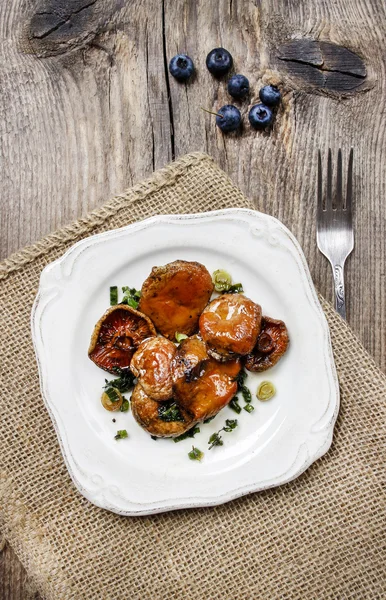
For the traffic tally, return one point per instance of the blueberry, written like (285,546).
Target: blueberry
(238,86)
(181,67)
(228,118)
(260,116)
(270,95)
(219,61)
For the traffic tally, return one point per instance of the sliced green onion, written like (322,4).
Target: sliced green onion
(131,296)
(266,391)
(113,395)
(125,405)
(246,393)
(230,425)
(236,288)
(121,434)
(234,405)
(195,454)
(180,336)
(222,281)
(249,408)
(113,295)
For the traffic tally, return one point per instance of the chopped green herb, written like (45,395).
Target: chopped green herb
(124,382)
(249,408)
(188,434)
(113,295)
(236,288)
(169,411)
(131,296)
(215,440)
(210,419)
(234,405)
(125,405)
(112,394)
(180,336)
(154,437)
(121,434)
(195,454)
(230,425)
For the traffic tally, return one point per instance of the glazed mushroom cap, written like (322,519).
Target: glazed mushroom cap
(229,326)
(270,346)
(151,364)
(117,335)
(202,385)
(174,296)
(146,413)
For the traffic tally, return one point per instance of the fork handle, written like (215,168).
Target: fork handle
(340,301)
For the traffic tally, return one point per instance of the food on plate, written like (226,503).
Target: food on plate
(151,365)
(265,391)
(271,344)
(112,399)
(229,325)
(174,296)
(201,384)
(159,419)
(117,335)
(184,351)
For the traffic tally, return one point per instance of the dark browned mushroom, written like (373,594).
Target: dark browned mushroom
(271,344)
(116,337)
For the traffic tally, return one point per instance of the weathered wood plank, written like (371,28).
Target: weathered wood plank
(85,112)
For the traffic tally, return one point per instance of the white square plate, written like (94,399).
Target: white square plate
(271,446)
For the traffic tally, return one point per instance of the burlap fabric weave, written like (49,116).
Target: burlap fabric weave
(320,536)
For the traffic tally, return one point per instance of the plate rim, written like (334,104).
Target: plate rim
(183,503)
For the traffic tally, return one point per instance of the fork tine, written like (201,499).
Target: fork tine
(339,194)
(349,184)
(320,186)
(329,182)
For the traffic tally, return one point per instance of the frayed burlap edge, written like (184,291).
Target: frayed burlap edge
(162,178)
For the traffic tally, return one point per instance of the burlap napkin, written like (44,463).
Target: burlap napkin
(321,536)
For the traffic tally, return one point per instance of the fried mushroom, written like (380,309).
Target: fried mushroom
(229,326)
(174,296)
(116,337)
(148,413)
(202,385)
(151,364)
(271,344)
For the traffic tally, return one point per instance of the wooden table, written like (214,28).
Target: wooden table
(88,108)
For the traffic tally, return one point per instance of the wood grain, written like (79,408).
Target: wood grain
(87,108)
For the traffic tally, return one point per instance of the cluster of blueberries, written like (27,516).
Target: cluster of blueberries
(219,61)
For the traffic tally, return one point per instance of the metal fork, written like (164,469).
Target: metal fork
(335,235)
